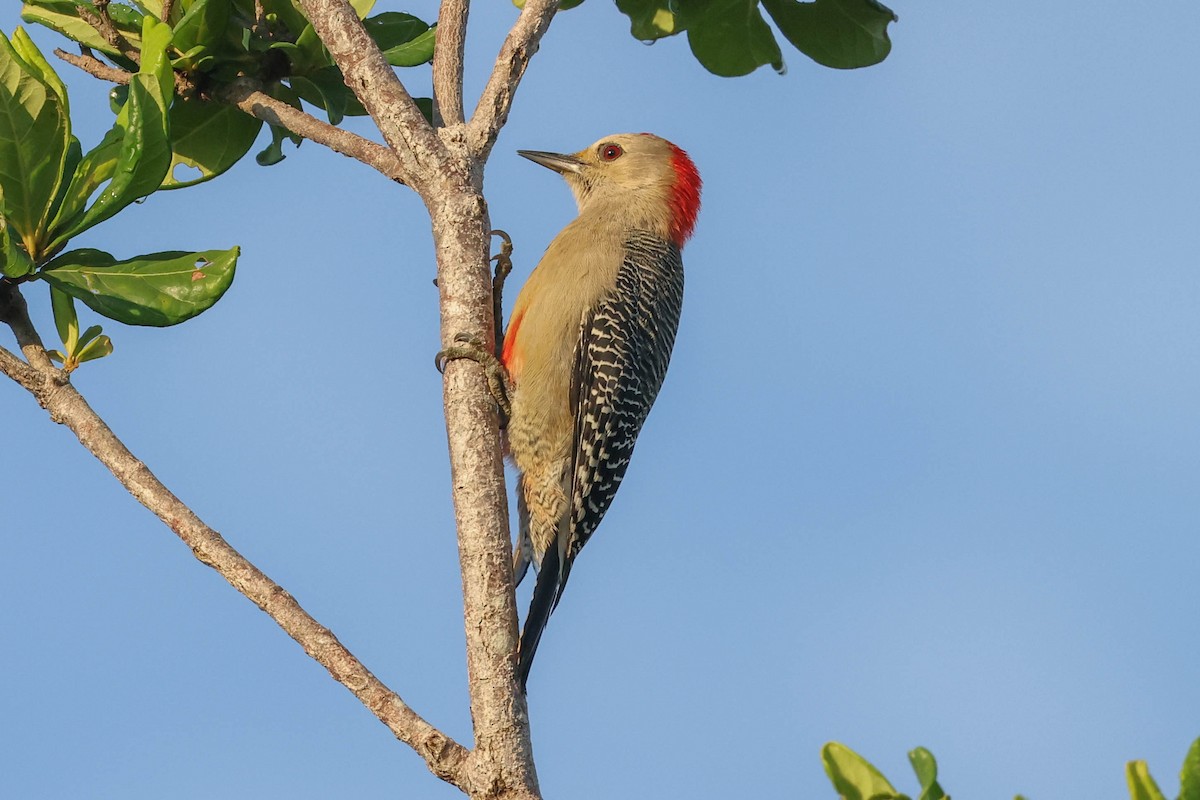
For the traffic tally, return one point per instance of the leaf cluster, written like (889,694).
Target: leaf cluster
(732,37)
(177,59)
(855,778)
(51,191)
(215,42)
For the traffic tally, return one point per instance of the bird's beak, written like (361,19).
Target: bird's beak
(559,162)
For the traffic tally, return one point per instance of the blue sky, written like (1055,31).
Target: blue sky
(925,469)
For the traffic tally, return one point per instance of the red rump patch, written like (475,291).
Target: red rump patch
(685,196)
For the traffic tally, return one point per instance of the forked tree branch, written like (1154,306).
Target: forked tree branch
(448,62)
(248,95)
(519,46)
(53,390)
(374,83)
(447,172)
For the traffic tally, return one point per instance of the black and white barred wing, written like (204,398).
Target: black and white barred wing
(622,357)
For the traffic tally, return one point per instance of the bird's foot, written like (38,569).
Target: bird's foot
(503,261)
(499,382)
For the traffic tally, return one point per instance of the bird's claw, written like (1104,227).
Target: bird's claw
(503,259)
(499,383)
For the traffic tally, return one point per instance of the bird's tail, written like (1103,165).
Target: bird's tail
(545,597)
(523,550)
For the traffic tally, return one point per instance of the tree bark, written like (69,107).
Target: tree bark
(502,761)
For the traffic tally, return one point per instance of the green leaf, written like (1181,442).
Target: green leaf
(99,347)
(34,138)
(843,34)
(651,20)
(70,165)
(853,776)
(411,54)
(143,158)
(156,36)
(197,59)
(1189,776)
(158,289)
(14,261)
(362,7)
(288,13)
(118,96)
(1141,785)
(405,40)
(731,38)
(425,105)
(209,136)
(88,335)
(97,166)
(152,7)
(62,16)
(925,766)
(334,102)
(310,54)
(203,24)
(33,57)
(141,136)
(65,319)
(273,153)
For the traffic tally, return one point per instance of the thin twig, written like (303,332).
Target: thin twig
(103,25)
(184,86)
(260,19)
(445,758)
(248,95)
(448,61)
(519,46)
(94,67)
(166,10)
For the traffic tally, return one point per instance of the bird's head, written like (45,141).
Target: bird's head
(636,171)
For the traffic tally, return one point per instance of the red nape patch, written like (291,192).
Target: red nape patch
(685,196)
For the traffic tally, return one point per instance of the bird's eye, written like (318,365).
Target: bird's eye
(611,152)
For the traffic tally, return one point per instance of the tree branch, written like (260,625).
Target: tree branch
(448,61)
(248,95)
(448,175)
(18,370)
(53,390)
(15,313)
(102,23)
(519,46)
(374,83)
(503,753)
(94,67)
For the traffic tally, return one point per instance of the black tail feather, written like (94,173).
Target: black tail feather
(545,598)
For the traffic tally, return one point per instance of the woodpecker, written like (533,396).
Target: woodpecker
(587,347)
